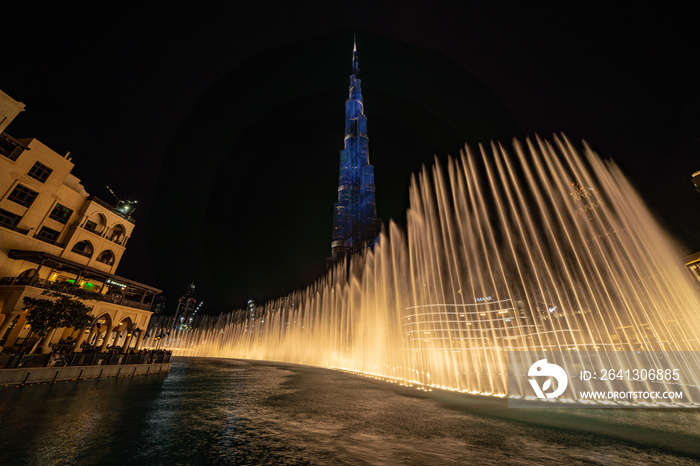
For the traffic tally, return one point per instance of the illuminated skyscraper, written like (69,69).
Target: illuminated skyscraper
(187,308)
(355,222)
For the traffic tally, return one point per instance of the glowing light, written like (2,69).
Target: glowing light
(471,233)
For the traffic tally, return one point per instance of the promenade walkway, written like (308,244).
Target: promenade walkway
(22,368)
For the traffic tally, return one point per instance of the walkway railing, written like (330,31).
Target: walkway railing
(15,361)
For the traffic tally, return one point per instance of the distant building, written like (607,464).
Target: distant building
(53,234)
(159,304)
(252,312)
(692,263)
(187,307)
(355,222)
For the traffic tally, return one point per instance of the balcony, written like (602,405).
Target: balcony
(111,208)
(82,252)
(71,289)
(10,147)
(92,228)
(84,248)
(128,292)
(117,240)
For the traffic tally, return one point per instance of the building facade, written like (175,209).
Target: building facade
(54,235)
(355,222)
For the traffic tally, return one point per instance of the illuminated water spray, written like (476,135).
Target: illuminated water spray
(540,248)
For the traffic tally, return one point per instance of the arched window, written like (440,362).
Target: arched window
(25,277)
(103,319)
(84,248)
(96,223)
(118,234)
(106,257)
(27,273)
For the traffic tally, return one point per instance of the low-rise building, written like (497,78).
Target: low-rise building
(54,235)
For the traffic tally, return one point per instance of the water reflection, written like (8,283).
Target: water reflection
(239,412)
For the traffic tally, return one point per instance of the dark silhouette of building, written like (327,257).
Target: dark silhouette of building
(355,222)
(187,307)
(159,304)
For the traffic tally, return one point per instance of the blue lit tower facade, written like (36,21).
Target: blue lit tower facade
(355,222)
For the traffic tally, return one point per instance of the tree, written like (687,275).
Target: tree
(46,315)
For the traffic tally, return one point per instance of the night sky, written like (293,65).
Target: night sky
(225,122)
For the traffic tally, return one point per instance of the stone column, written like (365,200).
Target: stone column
(45,342)
(93,330)
(106,339)
(35,277)
(15,332)
(118,335)
(138,340)
(127,341)
(79,341)
(9,317)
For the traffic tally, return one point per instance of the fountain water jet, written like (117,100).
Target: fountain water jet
(542,249)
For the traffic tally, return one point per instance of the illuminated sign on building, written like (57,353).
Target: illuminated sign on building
(483,299)
(109,281)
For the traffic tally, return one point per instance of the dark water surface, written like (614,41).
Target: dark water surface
(212,411)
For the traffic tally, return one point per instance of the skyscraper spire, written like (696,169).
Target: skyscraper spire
(355,64)
(355,222)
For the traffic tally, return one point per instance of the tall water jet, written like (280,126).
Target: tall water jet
(541,248)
